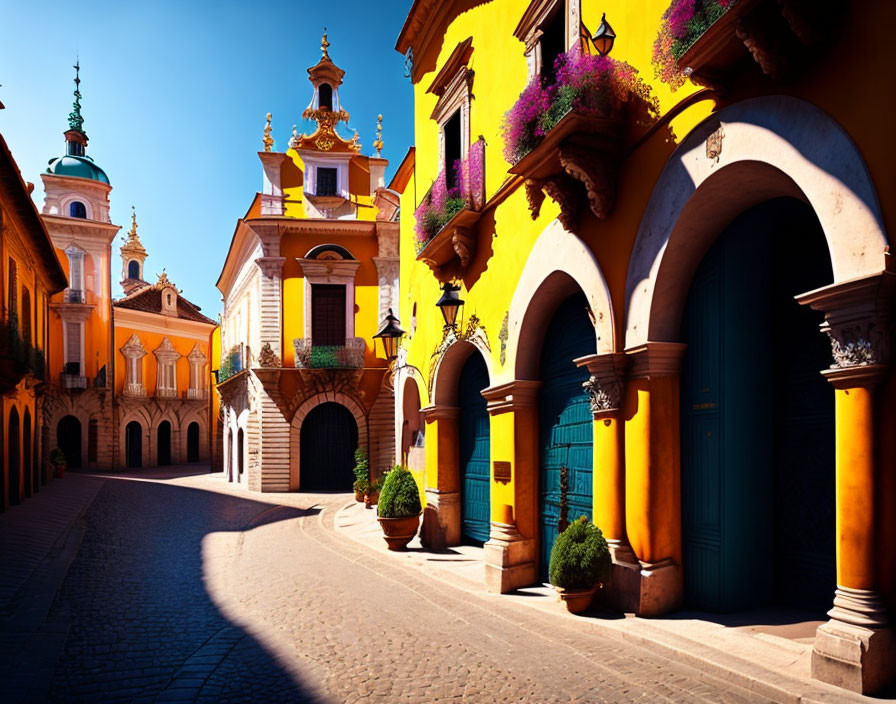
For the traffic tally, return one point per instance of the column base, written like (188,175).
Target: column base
(644,588)
(623,587)
(856,649)
(509,560)
(441,520)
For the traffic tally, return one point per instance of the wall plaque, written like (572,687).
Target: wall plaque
(502,472)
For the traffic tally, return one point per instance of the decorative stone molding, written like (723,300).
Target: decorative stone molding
(655,359)
(267,358)
(512,396)
(271,267)
(606,385)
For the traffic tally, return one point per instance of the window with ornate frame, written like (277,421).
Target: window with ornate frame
(454,87)
(197,360)
(538,30)
(166,369)
(133,352)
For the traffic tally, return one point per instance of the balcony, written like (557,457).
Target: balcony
(445,236)
(72,381)
(348,356)
(566,140)
(196,394)
(234,362)
(133,388)
(163,392)
(709,40)
(74,295)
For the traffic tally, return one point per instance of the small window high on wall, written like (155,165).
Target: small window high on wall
(328,315)
(326,182)
(325,96)
(453,151)
(77,209)
(553,44)
(133,269)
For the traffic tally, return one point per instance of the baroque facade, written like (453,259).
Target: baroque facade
(128,383)
(311,271)
(675,305)
(30,274)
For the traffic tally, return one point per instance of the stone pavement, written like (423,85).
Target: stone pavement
(186,588)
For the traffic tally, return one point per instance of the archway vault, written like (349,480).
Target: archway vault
(770,147)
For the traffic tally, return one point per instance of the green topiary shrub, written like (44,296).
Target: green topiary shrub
(362,465)
(580,557)
(362,486)
(57,457)
(399,497)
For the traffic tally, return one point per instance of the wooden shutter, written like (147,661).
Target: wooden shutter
(327,314)
(73,342)
(26,315)
(11,302)
(326,182)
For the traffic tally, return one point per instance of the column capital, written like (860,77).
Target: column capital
(440,412)
(272,267)
(606,386)
(512,396)
(655,359)
(858,321)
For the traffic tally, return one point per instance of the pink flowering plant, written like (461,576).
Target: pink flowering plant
(594,85)
(683,23)
(441,203)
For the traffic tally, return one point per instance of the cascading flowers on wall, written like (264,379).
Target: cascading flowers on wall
(684,22)
(593,85)
(441,203)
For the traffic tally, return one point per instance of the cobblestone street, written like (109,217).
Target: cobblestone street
(186,589)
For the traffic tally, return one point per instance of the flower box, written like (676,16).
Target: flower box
(714,52)
(566,139)
(445,236)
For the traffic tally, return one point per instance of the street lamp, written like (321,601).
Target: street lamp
(449,303)
(390,333)
(604,37)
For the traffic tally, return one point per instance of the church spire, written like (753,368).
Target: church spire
(324,45)
(75,120)
(133,254)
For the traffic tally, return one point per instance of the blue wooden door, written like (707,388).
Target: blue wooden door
(475,450)
(565,420)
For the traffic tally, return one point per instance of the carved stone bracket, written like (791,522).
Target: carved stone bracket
(597,171)
(267,358)
(463,239)
(272,267)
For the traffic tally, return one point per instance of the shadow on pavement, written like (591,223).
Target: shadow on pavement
(141,623)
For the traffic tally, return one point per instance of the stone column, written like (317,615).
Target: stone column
(511,552)
(387,278)
(606,388)
(856,649)
(271,304)
(269,436)
(653,474)
(441,518)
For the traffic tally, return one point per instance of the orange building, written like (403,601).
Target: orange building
(311,271)
(129,381)
(29,275)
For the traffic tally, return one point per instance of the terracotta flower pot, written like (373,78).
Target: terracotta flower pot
(576,601)
(371,499)
(398,532)
(359,496)
(59,471)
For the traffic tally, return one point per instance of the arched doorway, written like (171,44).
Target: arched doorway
(163,444)
(133,444)
(474,450)
(14,464)
(757,419)
(327,443)
(566,433)
(193,442)
(27,447)
(240,453)
(68,439)
(412,451)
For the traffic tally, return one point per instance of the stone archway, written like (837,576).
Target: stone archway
(295,430)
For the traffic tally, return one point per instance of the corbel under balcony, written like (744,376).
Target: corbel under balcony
(577,165)
(449,253)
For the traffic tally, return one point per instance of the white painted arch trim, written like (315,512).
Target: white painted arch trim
(772,146)
(558,259)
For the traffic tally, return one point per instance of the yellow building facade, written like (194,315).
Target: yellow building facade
(30,275)
(643,272)
(311,272)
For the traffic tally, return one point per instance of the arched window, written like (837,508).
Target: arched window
(325,96)
(133,269)
(77,209)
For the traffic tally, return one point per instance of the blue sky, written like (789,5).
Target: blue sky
(174,102)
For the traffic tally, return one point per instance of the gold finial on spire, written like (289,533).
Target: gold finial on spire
(294,140)
(267,139)
(324,45)
(355,143)
(163,278)
(378,142)
(133,230)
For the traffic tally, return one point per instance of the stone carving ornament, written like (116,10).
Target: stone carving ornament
(858,345)
(605,394)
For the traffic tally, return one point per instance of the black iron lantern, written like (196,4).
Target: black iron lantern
(390,334)
(449,303)
(604,37)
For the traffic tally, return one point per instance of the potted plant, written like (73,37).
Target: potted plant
(399,508)
(59,462)
(580,563)
(372,495)
(362,474)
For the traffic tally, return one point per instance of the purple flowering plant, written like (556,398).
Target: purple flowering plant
(595,85)
(441,203)
(683,23)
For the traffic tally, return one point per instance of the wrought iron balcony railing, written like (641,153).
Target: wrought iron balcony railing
(347,356)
